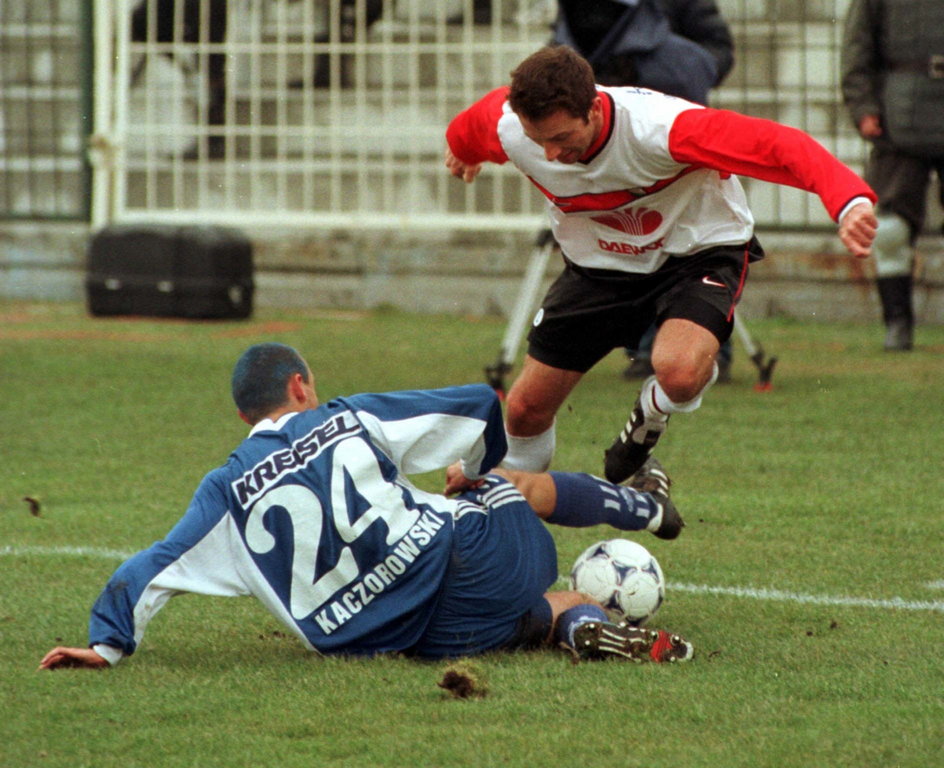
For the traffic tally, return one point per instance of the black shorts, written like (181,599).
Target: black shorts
(587,313)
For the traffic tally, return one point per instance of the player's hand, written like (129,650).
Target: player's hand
(59,658)
(857,230)
(456,481)
(459,169)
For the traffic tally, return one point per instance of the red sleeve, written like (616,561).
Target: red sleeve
(762,149)
(473,134)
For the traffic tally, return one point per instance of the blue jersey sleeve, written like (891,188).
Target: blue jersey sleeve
(201,554)
(425,430)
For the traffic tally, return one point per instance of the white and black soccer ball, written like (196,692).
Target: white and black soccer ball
(623,576)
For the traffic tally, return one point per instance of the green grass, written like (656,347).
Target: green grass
(828,486)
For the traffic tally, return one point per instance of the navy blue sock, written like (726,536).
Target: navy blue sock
(584,500)
(572,618)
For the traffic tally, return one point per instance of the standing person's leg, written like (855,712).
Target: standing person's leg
(695,315)
(532,403)
(725,359)
(216,78)
(683,357)
(582,318)
(684,361)
(216,63)
(901,182)
(206,22)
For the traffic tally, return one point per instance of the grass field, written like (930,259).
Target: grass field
(810,575)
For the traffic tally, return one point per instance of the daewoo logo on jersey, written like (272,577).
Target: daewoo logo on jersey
(632,221)
(614,246)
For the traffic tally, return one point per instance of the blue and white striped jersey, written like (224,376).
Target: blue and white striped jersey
(314,516)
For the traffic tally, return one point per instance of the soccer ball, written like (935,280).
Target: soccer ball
(623,576)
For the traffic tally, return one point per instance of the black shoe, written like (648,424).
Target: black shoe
(651,478)
(632,447)
(898,335)
(600,639)
(639,368)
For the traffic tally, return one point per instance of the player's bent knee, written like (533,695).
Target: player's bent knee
(525,419)
(682,383)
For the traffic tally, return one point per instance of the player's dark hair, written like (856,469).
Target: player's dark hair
(553,78)
(260,377)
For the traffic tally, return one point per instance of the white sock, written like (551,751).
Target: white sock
(530,454)
(656,405)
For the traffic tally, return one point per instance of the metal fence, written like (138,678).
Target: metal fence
(44,104)
(332,112)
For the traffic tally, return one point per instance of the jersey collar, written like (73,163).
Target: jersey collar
(607,128)
(267,425)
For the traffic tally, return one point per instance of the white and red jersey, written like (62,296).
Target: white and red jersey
(659,180)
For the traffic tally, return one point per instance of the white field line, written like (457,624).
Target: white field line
(797,597)
(753,593)
(777,595)
(108,554)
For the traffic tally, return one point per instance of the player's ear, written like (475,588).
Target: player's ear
(296,389)
(245,418)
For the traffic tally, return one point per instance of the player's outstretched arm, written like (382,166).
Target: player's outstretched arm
(61,657)
(857,230)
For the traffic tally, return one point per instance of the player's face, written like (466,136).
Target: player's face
(563,137)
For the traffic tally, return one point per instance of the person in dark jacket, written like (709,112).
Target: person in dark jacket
(893,86)
(584,25)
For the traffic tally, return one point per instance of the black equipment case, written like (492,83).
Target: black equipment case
(170,271)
